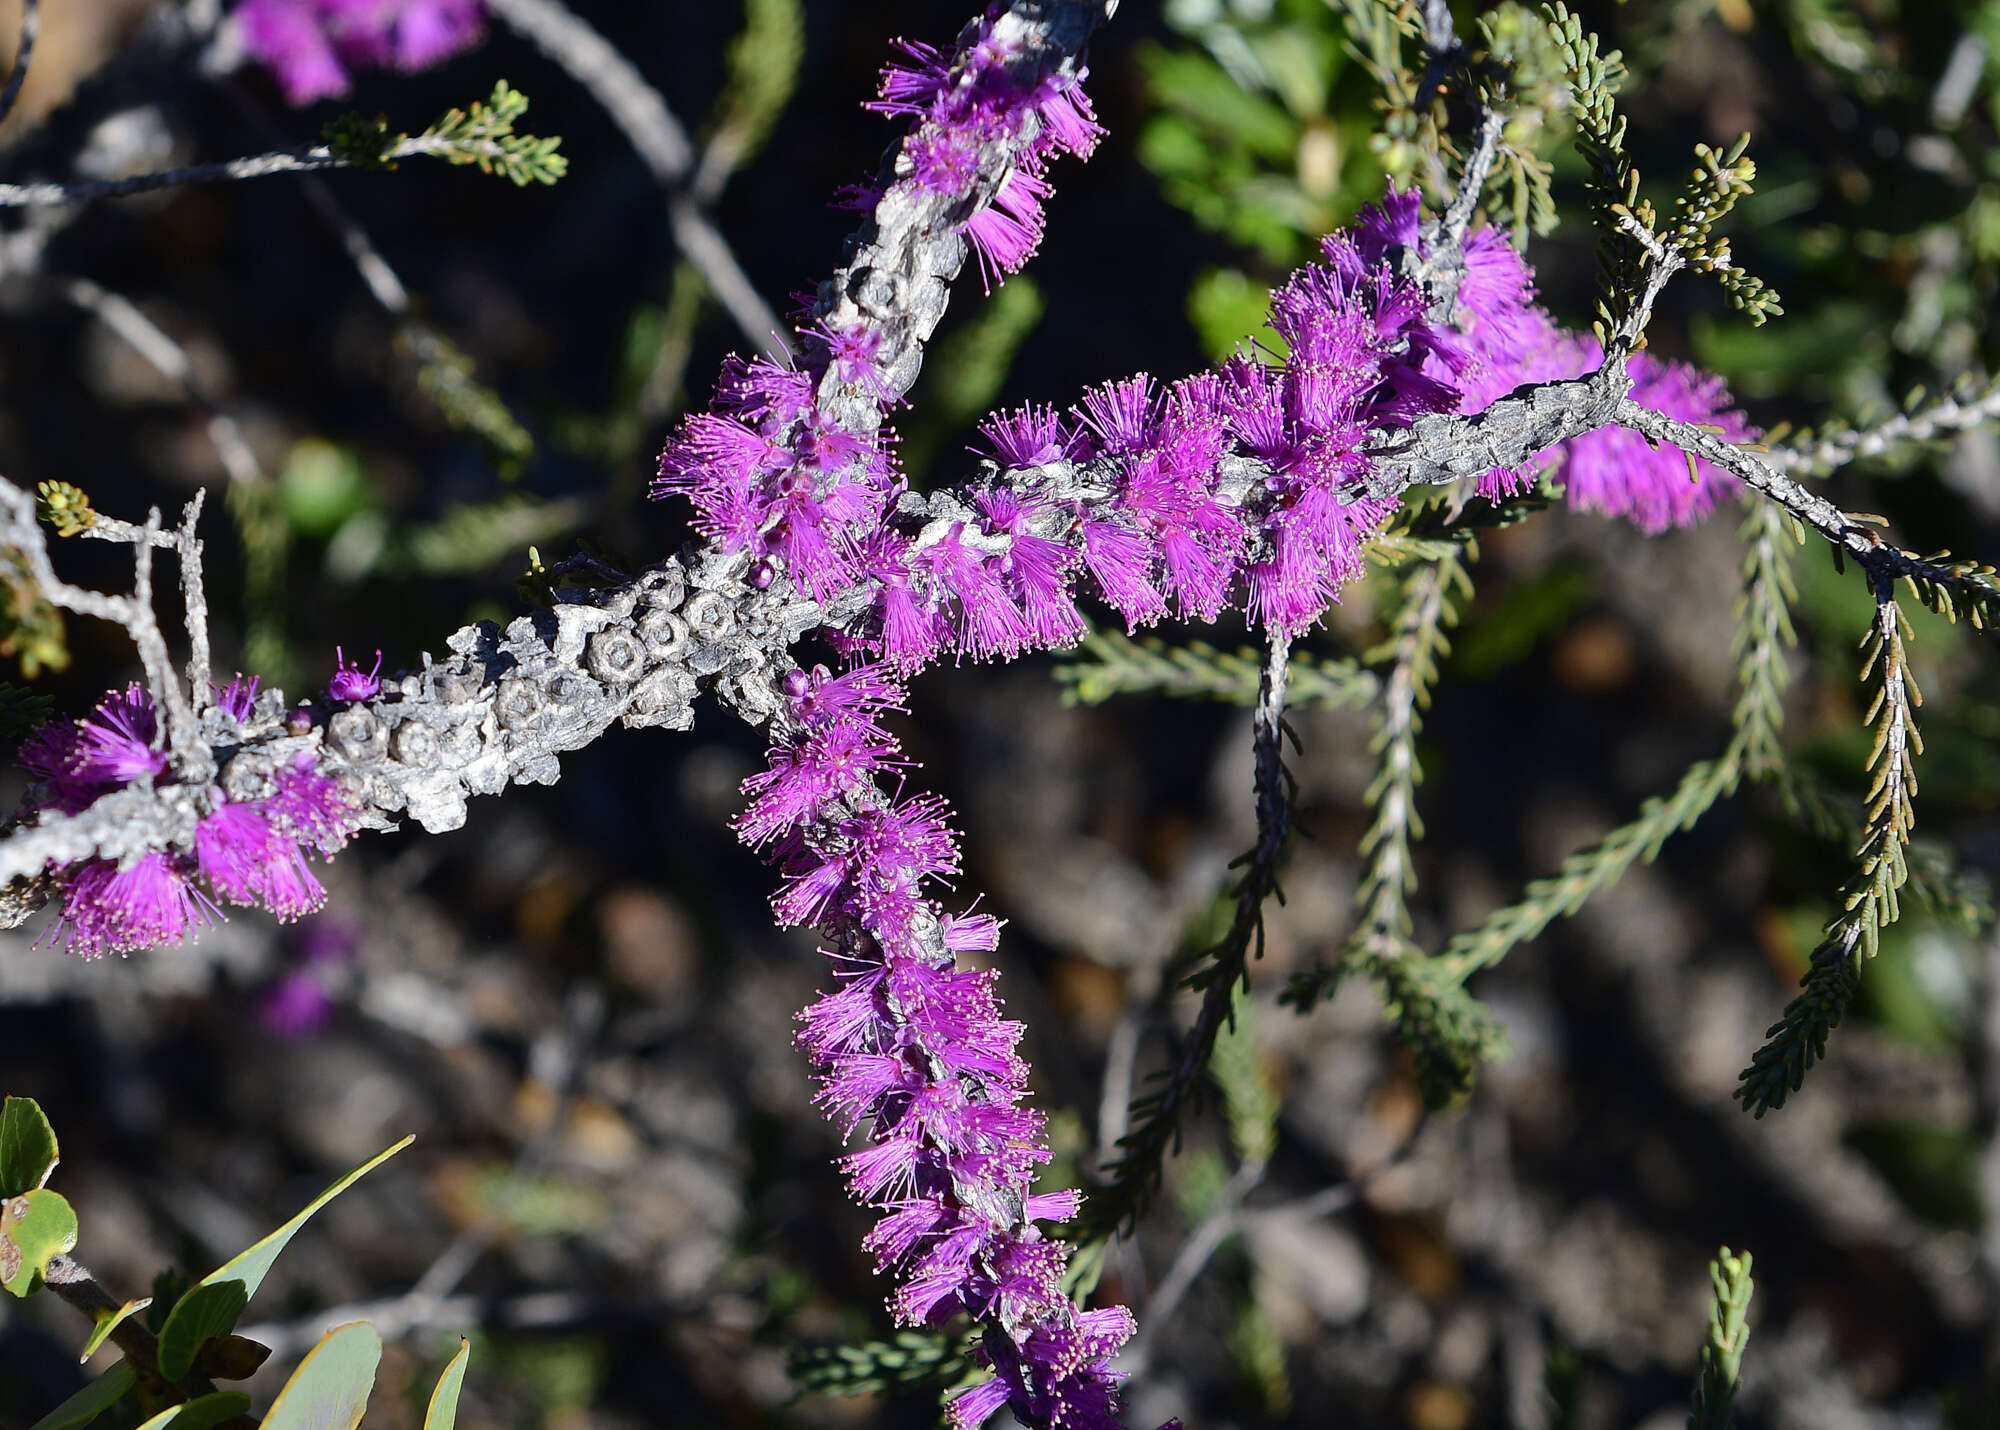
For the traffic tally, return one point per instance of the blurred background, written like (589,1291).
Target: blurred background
(620,1189)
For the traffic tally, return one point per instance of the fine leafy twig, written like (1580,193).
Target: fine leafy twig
(1764,633)
(1869,900)
(1110,663)
(518,157)
(1722,1348)
(1156,1117)
(1830,451)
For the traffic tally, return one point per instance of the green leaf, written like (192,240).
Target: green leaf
(443,1409)
(28,1150)
(92,1401)
(107,1322)
(209,1310)
(33,1228)
(201,1412)
(248,1270)
(329,1390)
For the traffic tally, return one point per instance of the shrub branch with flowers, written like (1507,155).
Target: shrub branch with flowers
(1411,354)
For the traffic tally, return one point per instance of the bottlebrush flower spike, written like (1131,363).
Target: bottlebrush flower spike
(914,1051)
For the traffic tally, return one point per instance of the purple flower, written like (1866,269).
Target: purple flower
(247,860)
(312,808)
(107,909)
(310,45)
(296,1005)
(351,682)
(238,698)
(915,1050)
(114,743)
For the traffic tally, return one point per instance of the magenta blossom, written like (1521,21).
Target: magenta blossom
(313,45)
(351,682)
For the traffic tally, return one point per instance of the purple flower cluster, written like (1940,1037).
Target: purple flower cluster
(964,103)
(914,1049)
(1510,340)
(311,45)
(244,852)
(767,469)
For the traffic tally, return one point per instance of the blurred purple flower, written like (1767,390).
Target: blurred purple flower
(311,45)
(295,1005)
(238,698)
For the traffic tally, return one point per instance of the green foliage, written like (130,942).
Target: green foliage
(470,538)
(1610,178)
(64,507)
(329,1390)
(35,1228)
(109,1321)
(448,377)
(92,1401)
(763,72)
(1869,898)
(1227,308)
(1713,190)
(201,1412)
(442,1410)
(22,710)
(28,1147)
(1590,870)
(207,1312)
(1111,663)
(1728,1334)
(1249,1102)
(210,1309)
(364,142)
(911,1360)
(1764,634)
(31,628)
(483,134)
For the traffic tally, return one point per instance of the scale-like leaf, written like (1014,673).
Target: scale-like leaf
(329,1390)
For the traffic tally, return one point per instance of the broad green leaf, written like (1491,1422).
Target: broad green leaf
(201,1412)
(33,1227)
(107,1322)
(92,1401)
(209,1310)
(249,1269)
(27,1146)
(231,1358)
(329,1390)
(443,1409)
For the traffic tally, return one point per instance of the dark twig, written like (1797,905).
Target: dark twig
(1158,1114)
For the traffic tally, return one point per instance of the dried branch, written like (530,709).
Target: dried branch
(1832,451)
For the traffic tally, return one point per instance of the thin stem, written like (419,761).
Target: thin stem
(1157,1115)
(31,28)
(660,140)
